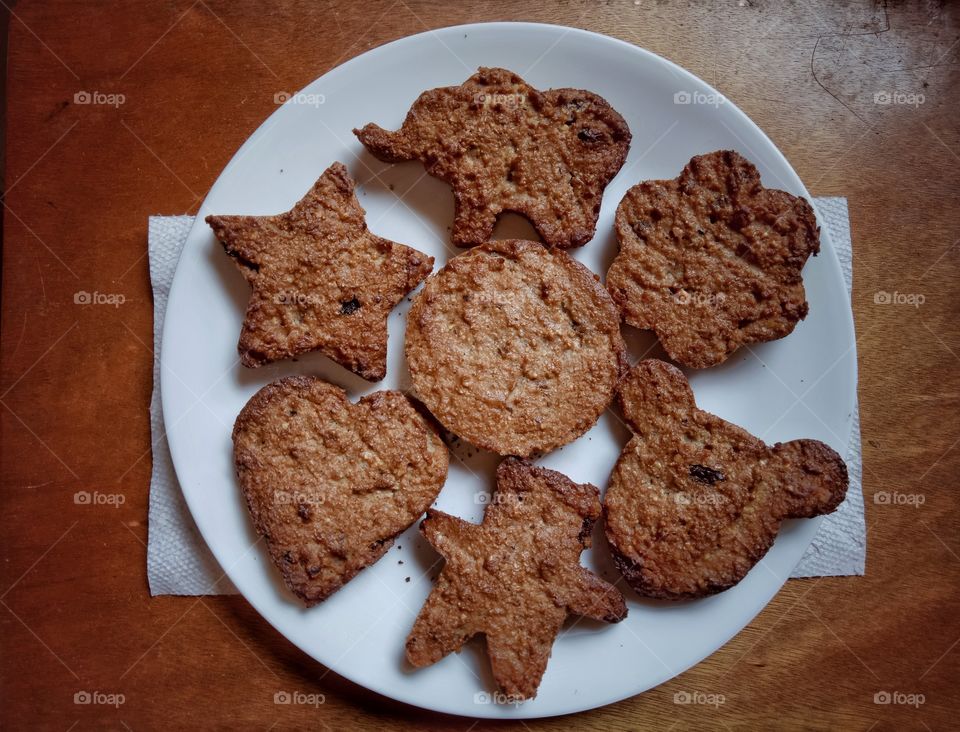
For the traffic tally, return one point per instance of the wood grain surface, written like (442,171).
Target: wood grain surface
(198,77)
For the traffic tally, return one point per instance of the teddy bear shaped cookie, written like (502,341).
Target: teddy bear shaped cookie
(694,502)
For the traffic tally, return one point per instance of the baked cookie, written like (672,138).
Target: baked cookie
(515,347)
(321,281)
(694,502)
(711,260)
(329,484)
(515,577)
(504,146)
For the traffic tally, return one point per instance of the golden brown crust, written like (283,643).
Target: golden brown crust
(329,484)
(711,260)
(515,577)
(515,347)
(504,146)
(695,502)
(320,280)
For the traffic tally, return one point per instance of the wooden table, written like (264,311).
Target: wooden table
(197,78)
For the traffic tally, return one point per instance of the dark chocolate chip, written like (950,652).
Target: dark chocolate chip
(303,511)
(588,135)
(349,307)
(703,474)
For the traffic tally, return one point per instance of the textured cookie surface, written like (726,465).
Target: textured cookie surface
(694,502)
(515,347)
(515,577)
(504,146)
(321,281)
(329,484)
(711,260)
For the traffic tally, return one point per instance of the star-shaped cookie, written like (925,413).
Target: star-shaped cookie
(515,577)
(321,281)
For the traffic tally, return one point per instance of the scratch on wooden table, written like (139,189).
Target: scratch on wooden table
(43,289)
(816,45)
(23,329)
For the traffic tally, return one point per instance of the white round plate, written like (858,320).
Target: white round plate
(800,386)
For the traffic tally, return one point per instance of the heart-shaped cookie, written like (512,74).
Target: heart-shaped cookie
(330,484)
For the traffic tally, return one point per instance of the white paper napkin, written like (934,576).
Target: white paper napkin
(179,562)
(840,546)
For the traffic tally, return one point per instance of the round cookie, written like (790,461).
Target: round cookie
(515,347)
